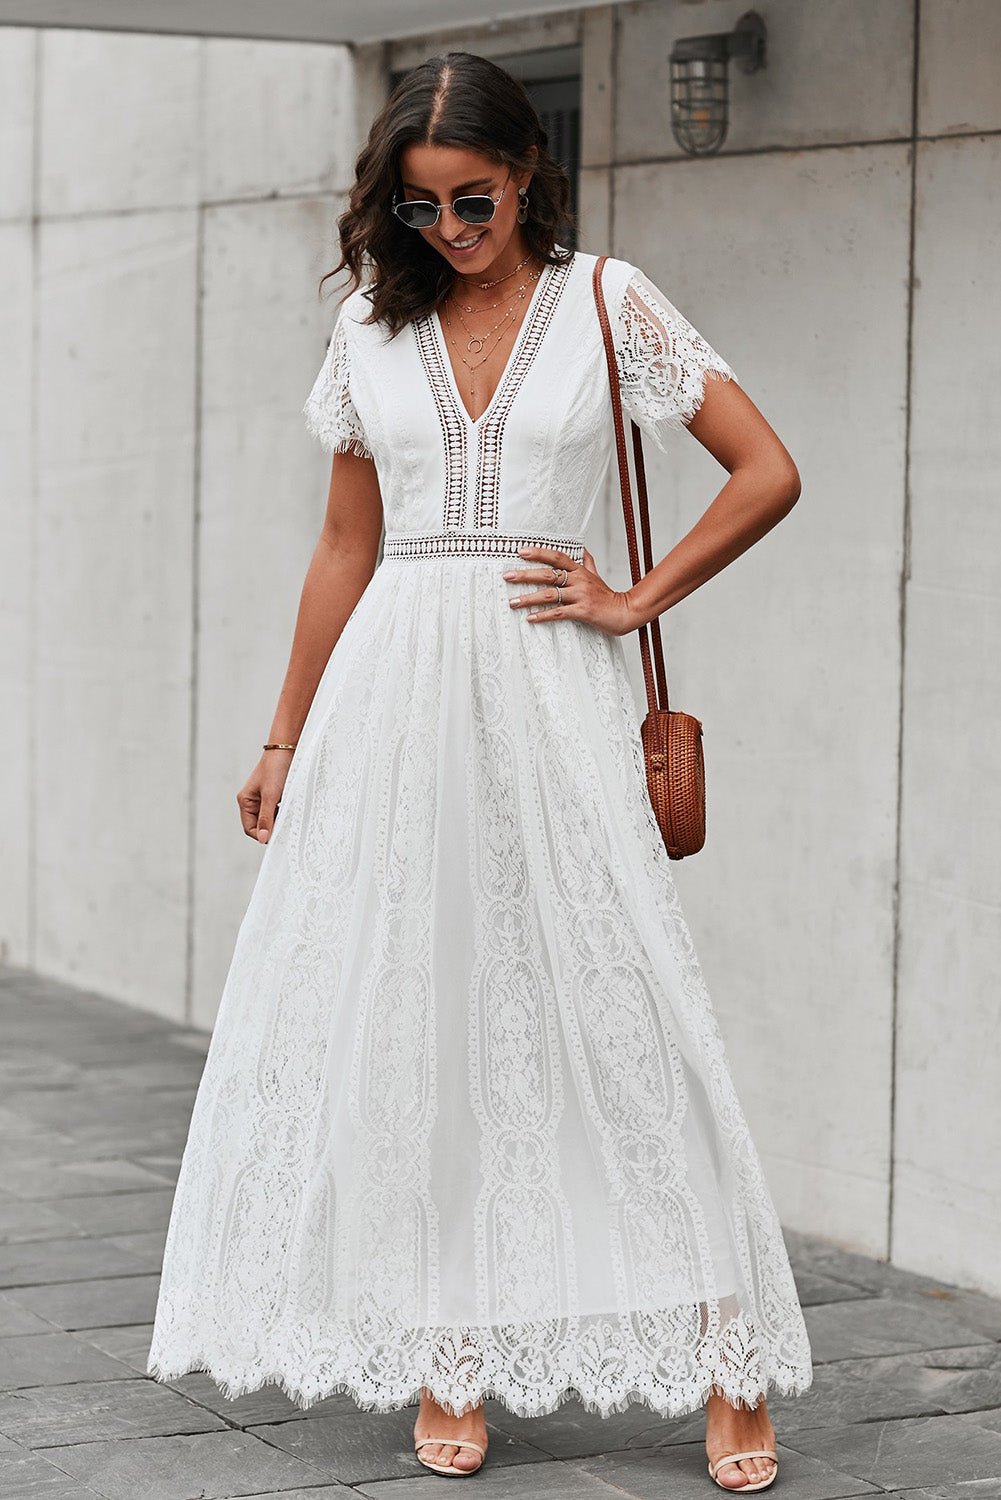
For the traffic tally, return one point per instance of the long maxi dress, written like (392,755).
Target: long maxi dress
(466,1121)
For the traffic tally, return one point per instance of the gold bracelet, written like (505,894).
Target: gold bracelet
(279,747)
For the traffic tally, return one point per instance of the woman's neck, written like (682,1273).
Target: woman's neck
(514,253)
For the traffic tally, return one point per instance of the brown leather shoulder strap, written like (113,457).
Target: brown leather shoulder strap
(655,678)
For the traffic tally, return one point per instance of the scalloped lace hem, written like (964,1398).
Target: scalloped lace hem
(461,1373)
(234,1384)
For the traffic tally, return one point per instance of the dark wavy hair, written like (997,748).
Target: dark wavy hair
(457,99)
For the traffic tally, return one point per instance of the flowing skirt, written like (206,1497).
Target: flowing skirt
(466,1121)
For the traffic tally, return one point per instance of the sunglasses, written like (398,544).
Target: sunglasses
(472,208)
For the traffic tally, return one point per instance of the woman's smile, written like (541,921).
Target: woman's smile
(465,245)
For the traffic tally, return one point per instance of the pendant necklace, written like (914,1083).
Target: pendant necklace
(478,340)
(475,343)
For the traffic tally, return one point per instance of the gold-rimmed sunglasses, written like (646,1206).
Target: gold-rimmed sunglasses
(471,208)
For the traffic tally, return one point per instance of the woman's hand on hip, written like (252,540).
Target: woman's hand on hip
(584,596)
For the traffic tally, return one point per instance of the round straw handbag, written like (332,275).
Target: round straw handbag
(672,739)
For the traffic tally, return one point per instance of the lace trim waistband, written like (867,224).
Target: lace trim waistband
(412,544)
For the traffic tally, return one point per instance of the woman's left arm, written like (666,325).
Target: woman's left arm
(763,486)
(671,378)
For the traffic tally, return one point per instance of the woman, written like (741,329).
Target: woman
(466,1125)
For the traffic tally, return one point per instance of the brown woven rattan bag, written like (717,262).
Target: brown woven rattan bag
(672,740)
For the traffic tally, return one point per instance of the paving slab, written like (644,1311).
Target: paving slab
(573,1432)
(165,1167)
(54,1359)
(25,1221)
(883,1325)
(959,1491)
(128,1343)
(253,1409)
(41,1262)
(30,1476)
(209,1466)
(981,1312)
(543,1481)
(32,1180)
(680,1473)
(42,1146)
(910,1452)
(54,1416)
(315,1492)
(990,1418)
(925,1383)
(92,1304)
(145,1246)
(74,1110)
(110,1050)
(195,1040)
(16,1127)
(120,1138)
(355,1446)
(115,1213)
(180,1069)
(15,1319)
(27,1068)
(814,1286)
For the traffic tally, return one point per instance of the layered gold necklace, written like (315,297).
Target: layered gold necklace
(481,344)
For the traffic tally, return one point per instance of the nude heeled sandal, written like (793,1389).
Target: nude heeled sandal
(449,1442)
(731,1458)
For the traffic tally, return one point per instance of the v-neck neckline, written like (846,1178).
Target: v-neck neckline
(438,332)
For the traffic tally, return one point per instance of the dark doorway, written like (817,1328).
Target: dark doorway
(551,79)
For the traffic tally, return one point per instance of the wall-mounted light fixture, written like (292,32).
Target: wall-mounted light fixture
(699,91)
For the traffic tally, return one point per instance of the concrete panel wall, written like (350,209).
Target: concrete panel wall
(118,121)
(249,88)
(17,522)
(959,81)
(160,496)
(947,1184)
(18,56)
(115,433)
(855,976)
(17,94)
(767,652)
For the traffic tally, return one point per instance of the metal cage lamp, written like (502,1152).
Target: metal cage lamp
(699,82)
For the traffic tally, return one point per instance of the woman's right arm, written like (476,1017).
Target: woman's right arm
(342,565)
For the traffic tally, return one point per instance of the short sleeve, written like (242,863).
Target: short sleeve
(329,410)
(663,361)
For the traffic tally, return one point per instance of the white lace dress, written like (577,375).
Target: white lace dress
(466,1120)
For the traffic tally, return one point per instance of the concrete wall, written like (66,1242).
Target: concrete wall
(842,252)
(160,499)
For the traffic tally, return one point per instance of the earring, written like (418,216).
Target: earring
(522,213)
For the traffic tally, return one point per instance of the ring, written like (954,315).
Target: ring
(559,594)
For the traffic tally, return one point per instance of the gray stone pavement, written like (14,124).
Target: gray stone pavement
(94,1103)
